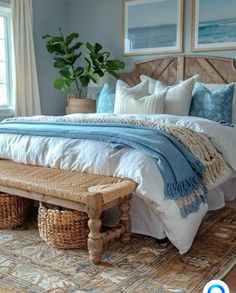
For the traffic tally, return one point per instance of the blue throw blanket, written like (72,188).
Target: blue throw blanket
(180,169)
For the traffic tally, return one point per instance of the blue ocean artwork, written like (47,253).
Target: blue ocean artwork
(152,36)
(217,31)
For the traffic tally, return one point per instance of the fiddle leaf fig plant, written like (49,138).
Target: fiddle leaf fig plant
(67,55)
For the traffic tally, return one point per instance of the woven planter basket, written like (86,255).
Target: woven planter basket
(64,229)
(14,210)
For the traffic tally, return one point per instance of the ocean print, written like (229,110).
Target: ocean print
(152,24)
(153,36)
(217,31)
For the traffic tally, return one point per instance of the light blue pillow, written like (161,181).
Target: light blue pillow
(216,105)
(106,100)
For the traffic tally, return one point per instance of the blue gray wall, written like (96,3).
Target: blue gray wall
(49,15)
(95,20)
(101,20)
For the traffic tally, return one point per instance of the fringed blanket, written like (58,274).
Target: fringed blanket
(183,173)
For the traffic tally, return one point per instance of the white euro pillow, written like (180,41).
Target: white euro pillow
(140,89)
(130,103)
(178,97)
(152,83)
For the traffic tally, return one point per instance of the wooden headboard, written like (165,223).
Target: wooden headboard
(172,69)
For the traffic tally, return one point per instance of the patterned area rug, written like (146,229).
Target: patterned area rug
(27,264)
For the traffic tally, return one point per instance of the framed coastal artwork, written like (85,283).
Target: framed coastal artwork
(152,26)
(214,25)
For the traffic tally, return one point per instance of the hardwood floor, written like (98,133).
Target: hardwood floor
(230,280)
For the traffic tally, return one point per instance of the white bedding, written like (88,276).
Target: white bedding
(151,213)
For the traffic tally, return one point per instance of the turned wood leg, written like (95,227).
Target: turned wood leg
(125,219)
(95,241)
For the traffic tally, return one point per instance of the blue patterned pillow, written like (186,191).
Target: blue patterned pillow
(216,105)
(106,100)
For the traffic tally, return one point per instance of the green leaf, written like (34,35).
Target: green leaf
(89,64)
(113,73)
(84,79)
(115,64)
(90,47)
(61,83)
(101,58)
(79,71)
(71,37)
(56,40)
(55,48)
(46,36)
(71,58)
(97,47)
(61,60)
(58,65)
(65,72)
(75,47)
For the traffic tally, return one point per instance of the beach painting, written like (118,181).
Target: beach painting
(152,26)
(214,25)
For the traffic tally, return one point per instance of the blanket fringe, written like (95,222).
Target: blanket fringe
(177,191)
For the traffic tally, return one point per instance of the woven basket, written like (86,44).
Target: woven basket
(14,210)
(64,229)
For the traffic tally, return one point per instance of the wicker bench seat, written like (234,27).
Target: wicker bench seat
(89,193)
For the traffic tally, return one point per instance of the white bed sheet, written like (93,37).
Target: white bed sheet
(143,214)
(152,214)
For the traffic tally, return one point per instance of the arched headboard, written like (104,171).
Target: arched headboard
(172,69)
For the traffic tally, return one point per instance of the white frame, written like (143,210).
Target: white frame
(194,38)
(179,35)
(5,11)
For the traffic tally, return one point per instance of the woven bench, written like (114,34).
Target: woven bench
(74,190)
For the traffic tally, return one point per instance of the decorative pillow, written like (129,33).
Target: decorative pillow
(129,103)
(106,100)
(215,86)
(139,90)
(152,83)
(178,97)
(216,105)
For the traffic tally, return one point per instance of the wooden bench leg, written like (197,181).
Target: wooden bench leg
(95,241)
(125,219)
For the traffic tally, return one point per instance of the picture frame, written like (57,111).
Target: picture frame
(213,25)
(146,23)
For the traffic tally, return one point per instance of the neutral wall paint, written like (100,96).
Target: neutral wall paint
(101,20)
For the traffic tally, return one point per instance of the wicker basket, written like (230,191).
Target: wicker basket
(14,210)
(65,229)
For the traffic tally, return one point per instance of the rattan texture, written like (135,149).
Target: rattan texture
(14,210)
(69,185)
(65,229)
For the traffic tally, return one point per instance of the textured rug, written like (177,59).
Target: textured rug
(28,265)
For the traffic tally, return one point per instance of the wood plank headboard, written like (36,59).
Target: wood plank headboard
(172,69)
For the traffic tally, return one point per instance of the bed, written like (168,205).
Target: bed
(151,213)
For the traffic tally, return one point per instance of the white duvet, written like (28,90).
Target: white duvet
(102,158)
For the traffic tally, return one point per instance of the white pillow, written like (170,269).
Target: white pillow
(178,98)
(129,103)
(214,86)
(139,89)
(152,83)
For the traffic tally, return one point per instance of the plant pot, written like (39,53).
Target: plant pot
(80,105)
